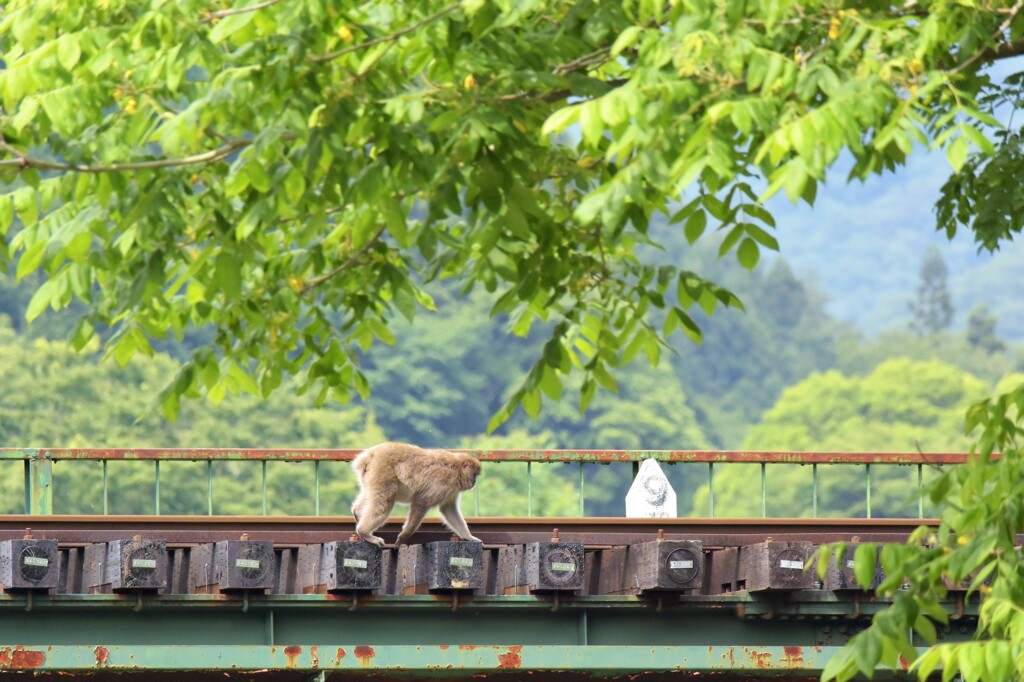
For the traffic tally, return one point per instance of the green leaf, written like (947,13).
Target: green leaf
(950,663)
(124,349)
(69,50)
(972,662)
(228,274)
(979,139)
(730,240)
(550,383)
(26,201)
(6,213)
(956,153)
(695,226)
(823,557)
(560,120)
(372,55)
(79,245)
(625,40)
(471,7)
(999,660)
(532,403)
(748,253)
(839,667)
(258,176)
(867,650)
(864,564)
(587,393)
(689,327)
(230,25)
(928,662)
(39,301)
(591,124)
(762,237)
(603,378)
(924,627)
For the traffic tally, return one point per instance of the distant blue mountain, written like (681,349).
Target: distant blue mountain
(863,244)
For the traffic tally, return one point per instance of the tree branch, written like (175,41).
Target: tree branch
(391,37)
(1001,50)
(24,161)
(220,14)
(349,262)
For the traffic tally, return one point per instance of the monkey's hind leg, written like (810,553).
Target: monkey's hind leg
(371,515)
(449,510)
(357,507)
(412,521)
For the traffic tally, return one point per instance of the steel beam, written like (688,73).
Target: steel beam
(419,661)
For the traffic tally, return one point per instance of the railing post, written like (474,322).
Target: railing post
(529,489)
(764,491)
(814,491)
(38,483)
(711,489)
(583,483)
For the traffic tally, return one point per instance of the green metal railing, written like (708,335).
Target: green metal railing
(39,480)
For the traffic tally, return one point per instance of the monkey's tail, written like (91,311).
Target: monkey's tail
(361,462)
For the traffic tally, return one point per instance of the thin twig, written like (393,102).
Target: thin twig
(595,57)
(349,262)
(25,161)
(391,37)
(220,14)
(555,95)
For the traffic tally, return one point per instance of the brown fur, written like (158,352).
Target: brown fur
(398,472)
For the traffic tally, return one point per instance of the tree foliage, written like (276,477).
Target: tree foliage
(902,405)
(288,174)
(975,548)
(932,308)
(981,330)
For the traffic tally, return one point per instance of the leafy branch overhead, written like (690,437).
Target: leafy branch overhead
(288,175)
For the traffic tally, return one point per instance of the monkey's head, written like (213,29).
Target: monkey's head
(468,469)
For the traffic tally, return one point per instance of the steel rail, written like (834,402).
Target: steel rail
(592,531)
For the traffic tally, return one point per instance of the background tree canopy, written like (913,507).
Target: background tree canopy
(285,177)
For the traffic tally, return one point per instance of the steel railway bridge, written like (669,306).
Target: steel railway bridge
(265,597)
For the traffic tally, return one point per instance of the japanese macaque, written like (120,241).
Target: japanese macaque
(397,472)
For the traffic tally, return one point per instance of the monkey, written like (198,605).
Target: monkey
(398,472)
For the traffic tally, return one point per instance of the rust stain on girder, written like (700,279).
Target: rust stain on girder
(102,655)
(365,655)
(291,654)
(512,659)
(760,659)
(20,658)
(793,657)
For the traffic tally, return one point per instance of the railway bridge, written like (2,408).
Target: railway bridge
(267,596)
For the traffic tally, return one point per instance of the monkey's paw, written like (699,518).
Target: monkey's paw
(373,540)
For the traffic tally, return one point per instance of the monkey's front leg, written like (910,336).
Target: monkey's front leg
(412,521)
(453,517)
